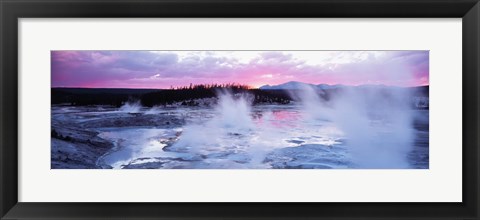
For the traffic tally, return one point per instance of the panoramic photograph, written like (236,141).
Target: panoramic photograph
(121,109)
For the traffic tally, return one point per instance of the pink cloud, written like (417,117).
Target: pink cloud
(146,69)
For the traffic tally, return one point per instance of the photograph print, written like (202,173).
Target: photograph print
(118,109)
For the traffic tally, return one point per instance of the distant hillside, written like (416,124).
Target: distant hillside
(295,85)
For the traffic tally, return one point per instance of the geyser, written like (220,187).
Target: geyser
(131,107)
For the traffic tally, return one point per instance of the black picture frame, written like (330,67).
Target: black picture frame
(12,10)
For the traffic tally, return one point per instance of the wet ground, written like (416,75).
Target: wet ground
(234,137)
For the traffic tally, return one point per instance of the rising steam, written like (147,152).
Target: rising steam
(131,107)
(376,122)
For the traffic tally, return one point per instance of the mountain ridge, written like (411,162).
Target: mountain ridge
(300,85)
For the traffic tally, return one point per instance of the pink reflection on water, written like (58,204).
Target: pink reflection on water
(278,119)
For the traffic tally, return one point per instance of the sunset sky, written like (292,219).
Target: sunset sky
(163,69)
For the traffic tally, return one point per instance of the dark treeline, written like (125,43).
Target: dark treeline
(231,86)
(84,96)
(185,95)
(153,97)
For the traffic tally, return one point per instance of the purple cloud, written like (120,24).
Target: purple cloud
(162,69)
